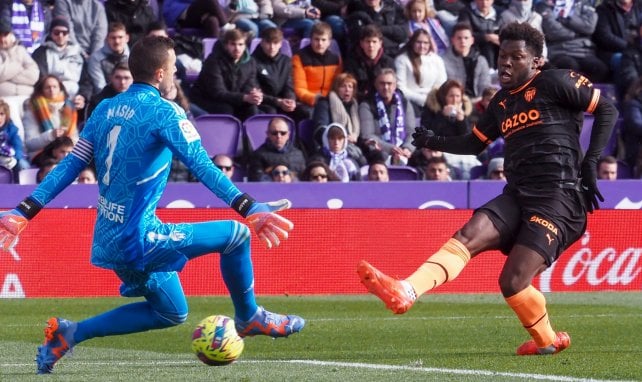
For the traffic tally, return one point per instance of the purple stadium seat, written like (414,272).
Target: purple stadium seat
(256,126)
(478,172)
(208,45)
(402,173)
(220,133)
(6,176)
(305,134)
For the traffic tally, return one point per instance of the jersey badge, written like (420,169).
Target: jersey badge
(529,94)
(189,131)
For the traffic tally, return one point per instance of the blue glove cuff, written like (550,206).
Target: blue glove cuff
(242,204)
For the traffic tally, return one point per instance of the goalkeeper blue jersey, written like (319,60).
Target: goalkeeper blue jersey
(132,138)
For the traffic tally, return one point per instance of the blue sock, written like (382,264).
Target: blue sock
(238,275)
(130,318)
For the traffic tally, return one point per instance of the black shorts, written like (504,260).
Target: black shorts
(546,221)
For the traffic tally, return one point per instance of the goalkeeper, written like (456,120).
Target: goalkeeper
(131,138)
(550,186)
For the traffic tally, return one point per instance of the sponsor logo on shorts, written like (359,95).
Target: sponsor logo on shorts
(545,223)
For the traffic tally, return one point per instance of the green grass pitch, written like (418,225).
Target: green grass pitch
(347,338)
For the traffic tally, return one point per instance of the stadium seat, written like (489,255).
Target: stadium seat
(478,172)
(6,176)
(256,127)
(305,134)
(220,133)
(402,173)
(334,45)
(624,171)
(28,176)
(208,45)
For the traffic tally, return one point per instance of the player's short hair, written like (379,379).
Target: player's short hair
(149,54)
(370,31)
(533,38)
(320,29)
(272,34)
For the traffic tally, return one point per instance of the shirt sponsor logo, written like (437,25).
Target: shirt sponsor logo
(520,121)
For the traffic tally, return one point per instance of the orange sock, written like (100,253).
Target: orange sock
(444,265)
(530,307)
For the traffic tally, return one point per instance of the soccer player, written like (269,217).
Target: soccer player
(131,138)
(551,186)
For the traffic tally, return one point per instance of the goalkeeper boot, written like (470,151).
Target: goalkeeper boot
(562,341)
(269,324)
(397,296)
(58,341)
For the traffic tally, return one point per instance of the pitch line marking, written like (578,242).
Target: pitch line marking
(355,365)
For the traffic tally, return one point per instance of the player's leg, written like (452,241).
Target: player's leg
(232,240)
(445,265)
(528,303)
(479,234)
(165,306)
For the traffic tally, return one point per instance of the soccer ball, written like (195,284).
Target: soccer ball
(216,342)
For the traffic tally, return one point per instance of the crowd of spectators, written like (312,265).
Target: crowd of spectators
(362,74)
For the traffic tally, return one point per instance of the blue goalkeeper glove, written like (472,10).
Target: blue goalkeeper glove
(271,228)
(11,224)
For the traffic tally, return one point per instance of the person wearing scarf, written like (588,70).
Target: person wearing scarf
(50,114)
(335,153)
(388,120)
(340,106)
(28,23)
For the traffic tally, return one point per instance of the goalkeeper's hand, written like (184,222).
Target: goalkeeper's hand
(423,137)
(268,225)
(588,182)
(11,224)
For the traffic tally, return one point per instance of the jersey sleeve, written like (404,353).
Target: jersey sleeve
(574,90)
(487,128)
(182,138)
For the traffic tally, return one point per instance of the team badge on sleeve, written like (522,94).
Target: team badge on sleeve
(189,131)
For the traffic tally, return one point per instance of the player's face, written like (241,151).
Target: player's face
(271,48)
(320,43)
(235,49)
(169,71)
(516,64)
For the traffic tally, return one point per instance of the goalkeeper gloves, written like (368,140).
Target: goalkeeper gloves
(588,182)
(11,224)
(270,227)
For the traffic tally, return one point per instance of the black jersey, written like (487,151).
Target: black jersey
(540,122)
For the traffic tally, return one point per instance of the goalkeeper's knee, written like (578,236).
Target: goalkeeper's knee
(239,237)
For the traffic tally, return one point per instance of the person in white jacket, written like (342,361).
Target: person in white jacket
(419,69)
(18,71)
